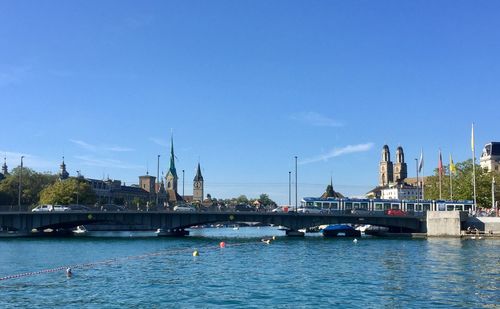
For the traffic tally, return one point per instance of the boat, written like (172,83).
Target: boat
(375,230)
(107,231)
(340,230)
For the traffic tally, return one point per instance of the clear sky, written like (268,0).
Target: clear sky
(245,86)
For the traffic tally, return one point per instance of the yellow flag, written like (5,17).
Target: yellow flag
(453,169)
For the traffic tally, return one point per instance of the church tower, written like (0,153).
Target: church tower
(385,170)
(171,177)
(400,168)
(198,185)
(63,173)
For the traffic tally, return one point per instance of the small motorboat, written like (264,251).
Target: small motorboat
(340,230)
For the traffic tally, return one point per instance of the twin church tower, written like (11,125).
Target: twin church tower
(392,173)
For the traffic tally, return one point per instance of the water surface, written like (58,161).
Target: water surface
(289,273)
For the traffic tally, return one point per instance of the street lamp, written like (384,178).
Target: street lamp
(296,184)
(157,179)
(289,189)
(20,184)
(418,186)
(183,184)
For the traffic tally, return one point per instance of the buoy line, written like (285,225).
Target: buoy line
(221,245)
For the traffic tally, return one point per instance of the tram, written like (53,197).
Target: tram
(351,205)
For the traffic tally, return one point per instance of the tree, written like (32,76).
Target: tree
(242,199)
(69,191)
(265,200)
(32,184)
(462,184)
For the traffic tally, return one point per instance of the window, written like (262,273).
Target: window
(449,207)
(335,206)
(387,206)
(410,207)
(348,205)
(378,206)
(395,206)
(364,205)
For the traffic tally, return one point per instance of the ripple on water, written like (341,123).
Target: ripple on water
(288,273)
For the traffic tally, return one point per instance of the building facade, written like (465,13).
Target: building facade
(490,157)
(401,191)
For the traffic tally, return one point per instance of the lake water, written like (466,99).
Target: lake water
(311,272)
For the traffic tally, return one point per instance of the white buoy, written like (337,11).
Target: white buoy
(355,240)
(69,273)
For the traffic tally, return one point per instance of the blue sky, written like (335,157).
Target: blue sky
(245,86)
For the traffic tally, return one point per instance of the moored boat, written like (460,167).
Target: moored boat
(340,230)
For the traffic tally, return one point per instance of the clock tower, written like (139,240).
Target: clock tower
(198,185)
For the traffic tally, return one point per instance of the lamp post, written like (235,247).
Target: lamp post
(493,194)
(183,184)
(20,184)
(418,186)
(296,184)
(289,189)
(157,179)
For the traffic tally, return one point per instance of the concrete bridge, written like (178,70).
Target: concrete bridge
(176,222)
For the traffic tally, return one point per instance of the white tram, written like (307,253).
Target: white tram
(376,205)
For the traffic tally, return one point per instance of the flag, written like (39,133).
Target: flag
(421,163)
(472,138)
(453,169)
(440,166)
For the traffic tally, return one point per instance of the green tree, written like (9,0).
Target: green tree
(265,200)
(242,199)
(462,184)
(69,191)
(32,184)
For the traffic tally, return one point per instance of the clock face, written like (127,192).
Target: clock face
(197,185)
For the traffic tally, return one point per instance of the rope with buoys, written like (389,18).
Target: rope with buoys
(221,245)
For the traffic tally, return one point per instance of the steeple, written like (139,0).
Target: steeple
(63,174)
(198,185)
(400,168)
(172,174)
(198,176)
(172,158)
(385,167)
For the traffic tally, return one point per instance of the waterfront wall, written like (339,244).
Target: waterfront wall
(444,223)
(485,224)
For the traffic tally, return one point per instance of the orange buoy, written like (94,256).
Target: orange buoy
(222,244)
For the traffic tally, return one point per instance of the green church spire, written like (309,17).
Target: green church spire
(172,157)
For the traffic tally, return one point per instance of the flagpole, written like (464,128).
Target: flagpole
(473,169)
(451,186)
(440,170)
(450,170)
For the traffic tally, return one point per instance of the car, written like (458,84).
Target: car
(43,208)
(185,208)
(112,207)
(309,210)
(362,212)
(76,207)
(243,207)
(281,209)
(395,212)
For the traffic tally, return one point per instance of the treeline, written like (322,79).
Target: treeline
(462,184)
(43,188)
